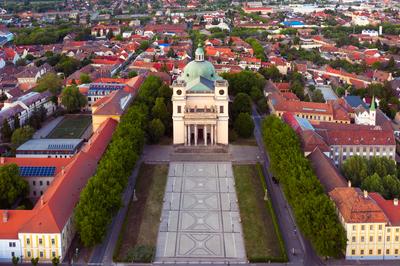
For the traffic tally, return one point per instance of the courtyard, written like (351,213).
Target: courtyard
(200,220)
(71,127)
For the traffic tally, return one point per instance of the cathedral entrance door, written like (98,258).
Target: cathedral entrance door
(200,137)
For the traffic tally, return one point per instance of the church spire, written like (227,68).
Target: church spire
(372,107)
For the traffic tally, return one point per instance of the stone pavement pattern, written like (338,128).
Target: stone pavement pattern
(200,220)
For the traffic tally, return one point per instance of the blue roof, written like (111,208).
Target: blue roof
(293,23)
(355,101)
(304,123)
(27,171)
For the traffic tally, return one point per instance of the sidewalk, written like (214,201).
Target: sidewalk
(47,128)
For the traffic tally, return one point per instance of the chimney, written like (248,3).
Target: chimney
(5,216)
(365,194)
(396,202)
(349,183)
(380,30)
(63,170)
(41,201)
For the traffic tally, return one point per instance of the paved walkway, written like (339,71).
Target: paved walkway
(200,221)
(45,130)
(235,154)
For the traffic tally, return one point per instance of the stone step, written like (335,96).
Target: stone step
(201,149)
(201,157)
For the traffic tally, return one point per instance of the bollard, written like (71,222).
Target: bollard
(266,195)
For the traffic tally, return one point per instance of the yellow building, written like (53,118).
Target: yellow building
(111,106)
(372,224)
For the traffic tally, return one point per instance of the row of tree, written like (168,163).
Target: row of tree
(314,212)
(101,198)
(377,174)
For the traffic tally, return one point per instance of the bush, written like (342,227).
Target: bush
(140,254)
(244,125)
(232,135)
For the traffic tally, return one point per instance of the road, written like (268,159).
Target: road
(303,252)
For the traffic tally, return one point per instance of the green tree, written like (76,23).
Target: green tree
(355,169)
(171,53)
(244,125)
(241,104)
(156,130)
(35,261)
(311,207)
(50,82)
(160,110)
(256,94)
(149,90)
(317,96)
(85,78)
(244,81)
(271,73)
(132,74)
(21,135)
(14,260)
(12,185)
(382,166)
(298,89)
(373,183)
(55,261)
(6,131)
(391,186)
(72,99)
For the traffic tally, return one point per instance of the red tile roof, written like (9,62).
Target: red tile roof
(391,210)
(327,173)
(55,207)
(355,208)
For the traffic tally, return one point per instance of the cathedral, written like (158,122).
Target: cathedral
(200,105)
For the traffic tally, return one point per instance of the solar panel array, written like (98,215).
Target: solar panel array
(37,170)
(60,147)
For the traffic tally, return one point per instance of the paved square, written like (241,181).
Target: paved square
(200,220)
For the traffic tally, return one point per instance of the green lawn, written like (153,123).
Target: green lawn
(138,236)
(71,127)
(262,236)
(246,142)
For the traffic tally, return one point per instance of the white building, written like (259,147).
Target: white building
(365,116)
(200,105)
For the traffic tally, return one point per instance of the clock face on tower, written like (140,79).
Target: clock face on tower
(179,92)
(221,92)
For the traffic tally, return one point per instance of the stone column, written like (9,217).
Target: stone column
(195,135)
(205,135)
(185,134)
(216,134)
(212,135)
(189,134)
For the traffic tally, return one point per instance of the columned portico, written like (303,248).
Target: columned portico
(200,134)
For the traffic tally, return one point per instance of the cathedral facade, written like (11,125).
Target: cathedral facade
(200,105)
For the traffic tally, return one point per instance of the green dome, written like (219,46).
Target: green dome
(199,51)
(196,69)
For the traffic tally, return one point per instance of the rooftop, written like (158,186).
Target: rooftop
(51,145)
(355,207)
